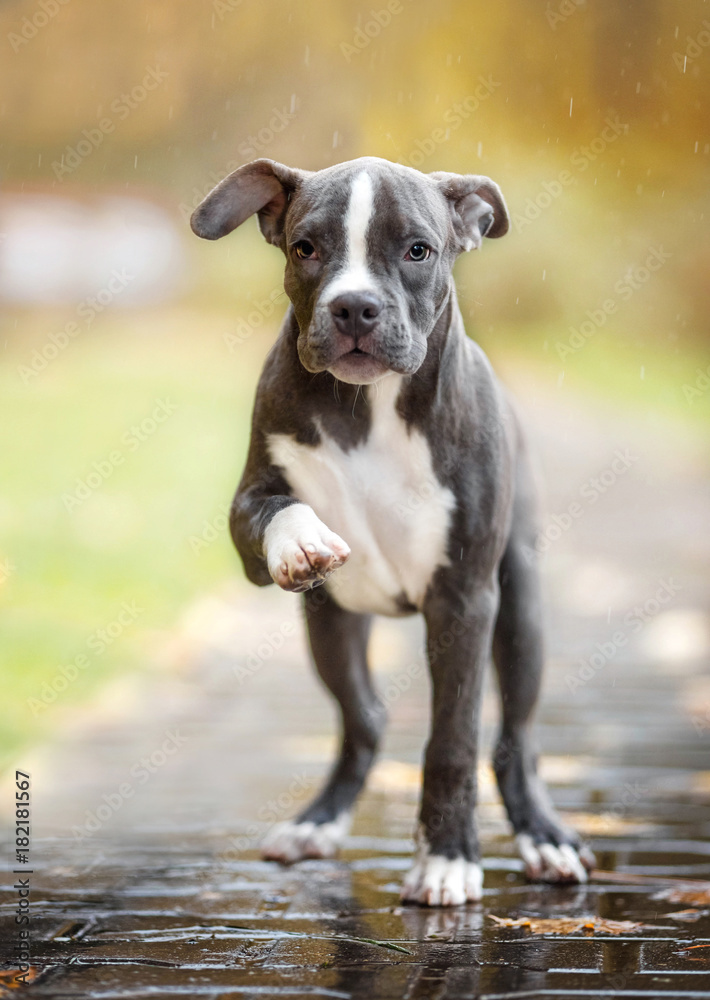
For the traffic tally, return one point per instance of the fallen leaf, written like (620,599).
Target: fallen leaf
(570,925)
(679,894)
(8,981)
(688,916)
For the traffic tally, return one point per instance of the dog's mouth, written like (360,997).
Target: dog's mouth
(358,367)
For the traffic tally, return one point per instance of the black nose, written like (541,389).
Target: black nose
(355,313)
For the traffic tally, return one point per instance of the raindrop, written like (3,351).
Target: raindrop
(479,150)
(544,272)
(135,162)
(335,139)
(643,372)
(560,378)
(570,106)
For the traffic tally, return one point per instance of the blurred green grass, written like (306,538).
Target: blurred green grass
(152,534)
(71,570)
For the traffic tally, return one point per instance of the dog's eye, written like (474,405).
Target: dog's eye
(420,251)
(304,250)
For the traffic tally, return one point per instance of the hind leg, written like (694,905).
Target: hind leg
(339,645)
(550,851)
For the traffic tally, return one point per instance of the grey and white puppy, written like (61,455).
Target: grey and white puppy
(386,464)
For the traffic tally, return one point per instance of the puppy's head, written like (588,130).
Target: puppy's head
(369,247)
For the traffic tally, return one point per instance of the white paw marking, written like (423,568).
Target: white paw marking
(547,863)
(289,842)
(438,881)
(300,550)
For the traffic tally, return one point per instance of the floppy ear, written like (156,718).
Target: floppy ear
(477,207)
(261,186)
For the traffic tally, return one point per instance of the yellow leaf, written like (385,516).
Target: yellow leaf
(696,897)
(569,925)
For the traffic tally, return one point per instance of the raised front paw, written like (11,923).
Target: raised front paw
(301,551)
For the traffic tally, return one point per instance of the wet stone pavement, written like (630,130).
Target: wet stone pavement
(149,804)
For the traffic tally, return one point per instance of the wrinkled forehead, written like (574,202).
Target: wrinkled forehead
(375,196)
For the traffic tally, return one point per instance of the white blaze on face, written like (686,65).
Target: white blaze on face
(355,275)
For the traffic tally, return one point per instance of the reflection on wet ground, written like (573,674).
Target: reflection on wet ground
(149,808)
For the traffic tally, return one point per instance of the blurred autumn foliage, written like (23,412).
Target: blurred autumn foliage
(611,94)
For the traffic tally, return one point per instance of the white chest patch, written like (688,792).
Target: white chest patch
(382,498)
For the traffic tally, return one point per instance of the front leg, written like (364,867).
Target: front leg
(281,539)
(446,869)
